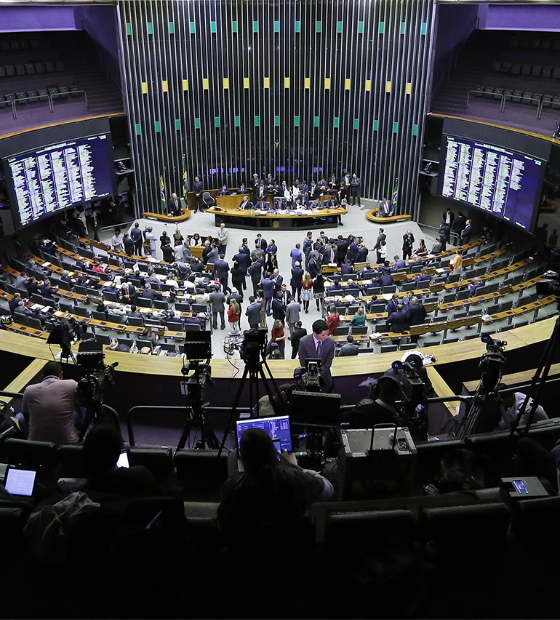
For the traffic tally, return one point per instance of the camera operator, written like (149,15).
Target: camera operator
(380,407)
(50,409)
(512,403)
(319,344)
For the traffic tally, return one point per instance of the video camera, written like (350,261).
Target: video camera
(492,362)
(95,372)
(253,348)
(312,371)
(550,284)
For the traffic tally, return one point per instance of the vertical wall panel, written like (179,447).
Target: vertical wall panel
(240,73)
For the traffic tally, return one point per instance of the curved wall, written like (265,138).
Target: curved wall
(293,88)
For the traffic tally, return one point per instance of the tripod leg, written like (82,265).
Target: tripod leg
(186,432)
(233,416)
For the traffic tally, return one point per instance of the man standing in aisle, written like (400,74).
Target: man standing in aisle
(319,344)
(222,238)
(198,188)
(355,189)
(217,301)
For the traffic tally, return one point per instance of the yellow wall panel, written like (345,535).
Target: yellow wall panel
(185,85)
(286,82)
(368,86)
(307,82)
(245,82)
(408,88)
(347,84)
(164,86)
(388,87)
(267,82)
(144,88)
(226,83)
(205,83)
(327,83)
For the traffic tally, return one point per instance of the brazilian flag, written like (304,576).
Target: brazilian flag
(163,200)
(395,195)
(185,179)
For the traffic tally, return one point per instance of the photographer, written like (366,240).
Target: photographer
(380,407)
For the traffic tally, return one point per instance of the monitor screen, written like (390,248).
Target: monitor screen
(505,183)
(52,178)
(278,428)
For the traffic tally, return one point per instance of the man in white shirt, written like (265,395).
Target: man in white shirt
(222,238)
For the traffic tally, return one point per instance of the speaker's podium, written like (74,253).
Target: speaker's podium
(390,456)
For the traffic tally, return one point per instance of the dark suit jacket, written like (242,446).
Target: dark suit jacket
(278,310)
(345,269)
(307,350)
(386,279)
(243,260)
(256,271)
(313,268)
(380,238)
(398,322)
(297,275)
(391,307)
(342,248)
(299,333)
(221,269)
(262,245)
(198,187)
(451,218)
(361,257)
(416,314)
(466,234)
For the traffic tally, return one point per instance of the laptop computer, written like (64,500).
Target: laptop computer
(20,481)
(278,428)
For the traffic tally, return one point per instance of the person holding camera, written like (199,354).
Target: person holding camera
(319,345)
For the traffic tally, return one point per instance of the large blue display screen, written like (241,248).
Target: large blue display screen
(55,177)
(500,181)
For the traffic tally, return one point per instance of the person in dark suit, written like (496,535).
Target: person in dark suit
(198,188)
(448,217)
(221,270)
(314,267)
(260,243)
(408,244)
(380,407)
(267,286)
(458,224)
(255,271)
(355,190)
(295,281)
(255,185)
(349,348)
(342,249)
(243,260)
(47,290)
(385,279)
(330,255)
(245,204)
(466,233)
(260,192)
(174,205)
(217,300)
(168,253)
(346,268)
(223,191)
(416,315)
(136,236)
(474,286)
(318,345)
(298,333)
(278,308)
(445,230)
(362,255)
(392,305)
(398,320)
(385,208)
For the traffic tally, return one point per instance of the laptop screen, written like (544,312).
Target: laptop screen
(278,428)
(20,481)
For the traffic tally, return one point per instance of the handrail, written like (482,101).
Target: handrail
(50,99)
(68,94)
(504,98)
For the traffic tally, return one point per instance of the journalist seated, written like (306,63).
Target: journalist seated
(272,489)
(102,448)
(380,407)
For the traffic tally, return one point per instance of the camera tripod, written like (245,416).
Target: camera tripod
(253,369)
(544,368)
(196,407)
